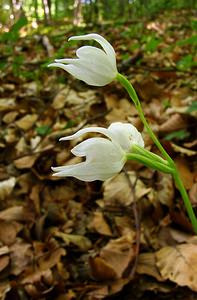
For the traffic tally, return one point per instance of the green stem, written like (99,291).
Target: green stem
(150,163)
(171,165)
(132,93)
(186,200)
(142,151)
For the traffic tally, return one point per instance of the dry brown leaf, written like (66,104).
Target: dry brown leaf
(186,175)
(7,104)
(37,276)
(25,162)
(11,135)
(117,190)
(99,224)
(4,289)
(173,123)
(183,150)
(4,261)
(51,259)
(4,250)
(119,253)
(193,194)
(6,187)
(27,121)
(124,225)
(21,146)
(60,99)
(148,89)
(114,258)
(10,117)
(179,264)
(101,269)
(21,255)
(165,190)
(14,213)
(78,240)
(147,265)
(8,231)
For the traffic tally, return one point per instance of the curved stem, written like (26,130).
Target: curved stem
(132,93)
(186,200)
(171,168)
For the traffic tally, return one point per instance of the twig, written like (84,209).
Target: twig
(137,222)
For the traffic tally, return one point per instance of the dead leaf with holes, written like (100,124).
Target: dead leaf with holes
(179,264)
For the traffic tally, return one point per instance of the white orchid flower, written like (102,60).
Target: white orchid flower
(93,65)
(105,157)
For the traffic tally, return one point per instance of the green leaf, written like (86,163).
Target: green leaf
(43,130)
(179,135)
(189,41)
(152,44)
(19,24)
(69,124)
(192,107)
(186,62)
(13,34)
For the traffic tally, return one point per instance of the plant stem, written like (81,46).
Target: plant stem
(132,93)
(186,200)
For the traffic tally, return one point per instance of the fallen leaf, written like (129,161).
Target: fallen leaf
(21,255)
(8,231)
(7,104)
(117,190)
(101,270)
(27,121)
(183,150)
(25,162)
(114,258)
(173,123)
(179,264)
(50,259)
(99,224)
(15,213)
(186,175)
(10,117)
(4,289)
(4,261)
(165,189)
(78,240)
(147,265)
(6,187)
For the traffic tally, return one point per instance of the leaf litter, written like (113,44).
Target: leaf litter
(64,239)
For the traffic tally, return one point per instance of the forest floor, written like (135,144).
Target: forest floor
(126,238)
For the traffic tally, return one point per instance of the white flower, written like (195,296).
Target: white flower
(93,65)
(105,157)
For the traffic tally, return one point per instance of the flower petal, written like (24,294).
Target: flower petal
(102,41)
(126,135)
(80,132)
(103,160)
